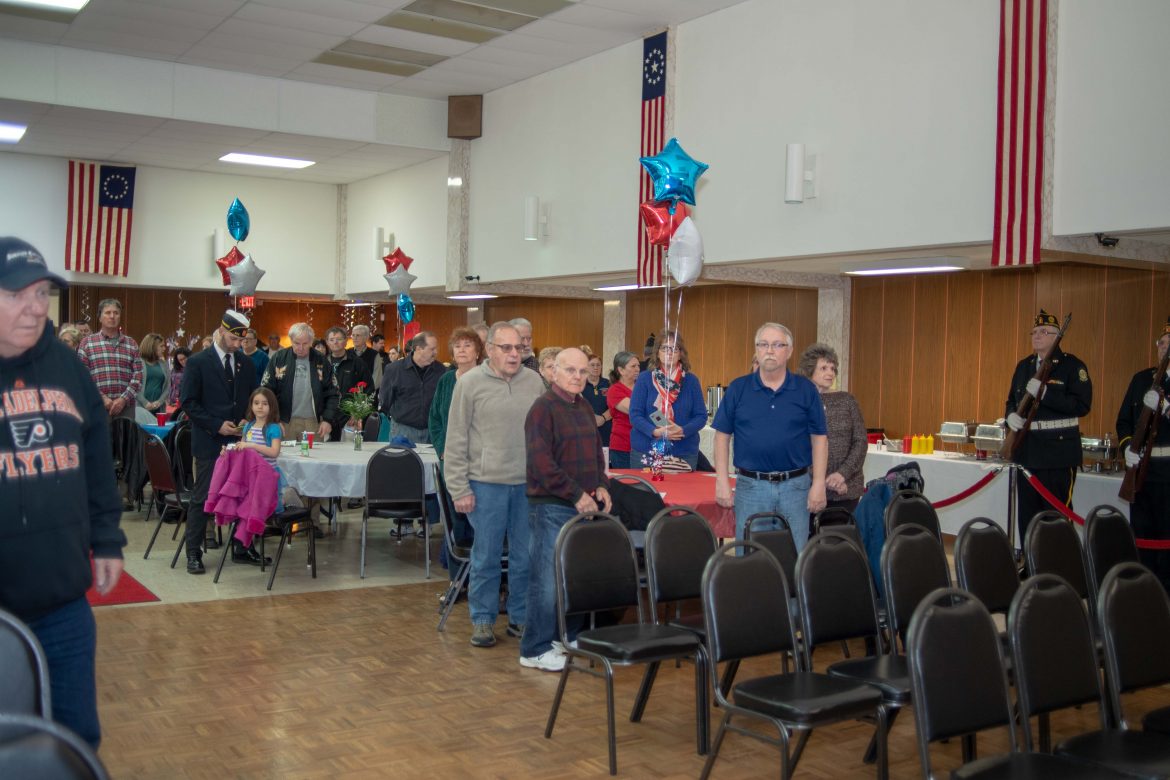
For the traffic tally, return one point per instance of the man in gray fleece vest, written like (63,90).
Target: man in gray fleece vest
(485,467)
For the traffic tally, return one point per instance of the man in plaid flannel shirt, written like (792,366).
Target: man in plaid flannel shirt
(113,360)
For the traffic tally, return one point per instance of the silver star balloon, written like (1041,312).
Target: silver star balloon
(399,280)
(245,275)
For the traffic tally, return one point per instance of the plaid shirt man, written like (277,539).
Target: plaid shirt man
(115,365)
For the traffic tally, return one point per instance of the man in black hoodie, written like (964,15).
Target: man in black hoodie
(60,502)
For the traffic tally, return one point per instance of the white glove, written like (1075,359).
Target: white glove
(1015,422)
(1035,388)
(1150,399)
(1131,458)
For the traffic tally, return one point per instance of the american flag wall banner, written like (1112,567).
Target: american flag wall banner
(99,216)
(653,139)
(1019,137)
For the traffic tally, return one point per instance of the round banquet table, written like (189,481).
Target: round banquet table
(335,469)
(695,489)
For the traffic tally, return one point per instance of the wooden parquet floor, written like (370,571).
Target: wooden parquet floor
(357,683)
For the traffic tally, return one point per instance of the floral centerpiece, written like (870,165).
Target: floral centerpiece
(359,405)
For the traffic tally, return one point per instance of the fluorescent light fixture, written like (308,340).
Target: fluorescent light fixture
(611,303)
(63,5)
(11,133)
(621,287)
(261,159)
(907,265)
(454,181)
(357,303)
(471,296)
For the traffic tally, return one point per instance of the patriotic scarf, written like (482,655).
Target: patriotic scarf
(668,387)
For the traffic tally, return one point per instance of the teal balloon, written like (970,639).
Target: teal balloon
(238,221)
(674,173)
(405,308)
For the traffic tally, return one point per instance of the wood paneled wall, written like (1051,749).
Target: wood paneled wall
(719,322)
(556,322)
(930,348)
(147,310)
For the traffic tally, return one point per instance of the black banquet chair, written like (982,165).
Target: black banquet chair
(910,506)
(32,747)
(1109,540)
(1052,546)
(985,564)
(1133,611)
(24,672)
(960,688)
(914,564)
(458,548)
(746,607)
(595,571)
(395,489)
(172,493)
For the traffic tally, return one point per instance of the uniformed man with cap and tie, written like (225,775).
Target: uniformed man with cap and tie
(1051,447)
(214,394)
(1149,514)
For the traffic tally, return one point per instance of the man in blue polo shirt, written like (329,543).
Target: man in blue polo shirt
(781,442)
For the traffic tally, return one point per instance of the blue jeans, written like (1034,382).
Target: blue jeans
(500,511)
(69,637)
(789,498)
(541,629)
(416,435)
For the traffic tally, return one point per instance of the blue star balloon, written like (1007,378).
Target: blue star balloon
(238,222)
(674,173)
(405,308)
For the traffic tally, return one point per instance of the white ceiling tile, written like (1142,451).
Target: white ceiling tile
(125,43)
(405,39)
(668,11)
(596,39)
(620,21)
(343,77)
(219,8)
(339,11)
(125,11)
(26,29)
(414,88)
(535,63)
(467,65)
(465,83)
(542,46)
(141,28)
(300,38)
(281,50)
(194,131)
(22,110)
(233,59)
(70,116)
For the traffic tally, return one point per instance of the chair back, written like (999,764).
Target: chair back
(371,428)
(835,590)
(678,543)
(158,466)
(184,464)
(1052,546)
(840,520)
(446,510)
(745,605)
(1109,541)
(24,671)
(772,532)
(634,481)
(1053,655)
(913,565)
(1134,615)
(395,476)
(38,747)
(985,564)
(596,567)
(910,506)
(957,677)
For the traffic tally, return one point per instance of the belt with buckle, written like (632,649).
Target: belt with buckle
(1160,452)
(1054,425)
(773,476)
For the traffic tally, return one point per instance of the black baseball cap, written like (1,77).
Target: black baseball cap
(21,265)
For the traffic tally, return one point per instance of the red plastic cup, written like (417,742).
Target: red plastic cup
(310,440)
(162,418)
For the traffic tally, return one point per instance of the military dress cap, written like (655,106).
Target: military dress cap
(235,323)
(1044,318)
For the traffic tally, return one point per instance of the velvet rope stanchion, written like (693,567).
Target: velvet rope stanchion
(1143,544)
(982,483)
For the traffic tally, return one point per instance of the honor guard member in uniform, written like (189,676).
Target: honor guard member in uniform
(1051,448)
(1149,514)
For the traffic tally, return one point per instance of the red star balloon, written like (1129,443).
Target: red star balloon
(411,330)
(660,223)
(395,259)
(227,261)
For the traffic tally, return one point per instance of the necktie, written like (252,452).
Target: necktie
(227,368)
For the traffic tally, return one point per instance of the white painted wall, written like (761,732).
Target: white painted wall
(294,225)
(411,203)
(1112,161)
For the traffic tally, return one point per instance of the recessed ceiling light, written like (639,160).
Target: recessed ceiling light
(471,296)
(907,265)
(10,133)
(65,5)
(260,159)
(621,287)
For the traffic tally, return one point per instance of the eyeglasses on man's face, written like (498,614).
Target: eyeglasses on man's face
(775,346)
(505,348)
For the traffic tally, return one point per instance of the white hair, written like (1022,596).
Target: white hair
(301,329)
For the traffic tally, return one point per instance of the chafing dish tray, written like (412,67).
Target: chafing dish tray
(956,432)
(989,437)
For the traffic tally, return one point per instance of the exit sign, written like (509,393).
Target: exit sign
(246,301)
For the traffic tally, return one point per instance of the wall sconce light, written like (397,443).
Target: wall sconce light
(535,219)
(383,242)
(800,179)
(218,246)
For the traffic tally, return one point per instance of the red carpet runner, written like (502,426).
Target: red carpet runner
(127,591)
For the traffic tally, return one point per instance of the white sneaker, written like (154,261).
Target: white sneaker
(548,661)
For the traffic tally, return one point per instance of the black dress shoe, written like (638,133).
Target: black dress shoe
(242,554)
(195,565)
(211,543)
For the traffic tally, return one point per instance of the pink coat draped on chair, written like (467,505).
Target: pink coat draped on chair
(243,487)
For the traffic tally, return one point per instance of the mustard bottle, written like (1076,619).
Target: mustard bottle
(930,444)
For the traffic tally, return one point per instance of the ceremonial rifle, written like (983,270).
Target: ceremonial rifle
(1026,408)
(1142,441)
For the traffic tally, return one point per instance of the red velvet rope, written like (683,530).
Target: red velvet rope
(968,492)
(1143,544)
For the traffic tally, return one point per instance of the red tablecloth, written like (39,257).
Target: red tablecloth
(696,490)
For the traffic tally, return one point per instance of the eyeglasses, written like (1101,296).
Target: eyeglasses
(669,350)
(1043,332)
(505,348)
(775,346)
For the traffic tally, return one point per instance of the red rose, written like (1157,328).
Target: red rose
(353,389)
(361,384)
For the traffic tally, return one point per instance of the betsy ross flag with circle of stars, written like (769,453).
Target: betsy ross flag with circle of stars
(653,139)
(98,218)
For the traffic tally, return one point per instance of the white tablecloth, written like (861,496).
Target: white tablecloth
(336,469)
(947,475)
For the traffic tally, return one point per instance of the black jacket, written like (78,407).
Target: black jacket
(1068,394)
(58,499)
(407,391)
(208,400)
(349,372)
(278,378)
(1127,420)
